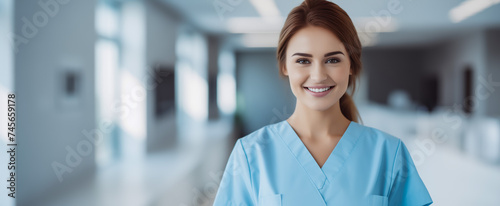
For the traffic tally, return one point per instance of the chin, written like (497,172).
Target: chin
(320,106)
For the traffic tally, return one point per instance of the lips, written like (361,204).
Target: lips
(319,91)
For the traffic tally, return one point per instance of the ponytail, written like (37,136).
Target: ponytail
(348,108)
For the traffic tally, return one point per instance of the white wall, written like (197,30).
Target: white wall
(6,53)
(493,69)
(191,70)
(6,86)
(161,35)
(133,90)
(45,127)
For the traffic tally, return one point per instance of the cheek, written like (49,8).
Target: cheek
(289,68)
(295,80)
(295,75)
(299,79)
(340,75)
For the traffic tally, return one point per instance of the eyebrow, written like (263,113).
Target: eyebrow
(310,55)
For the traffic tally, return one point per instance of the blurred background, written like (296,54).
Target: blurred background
(123,102)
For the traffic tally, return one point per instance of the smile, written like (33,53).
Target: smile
(319,89)
(319,92)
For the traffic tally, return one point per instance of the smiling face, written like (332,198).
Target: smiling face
(317,60)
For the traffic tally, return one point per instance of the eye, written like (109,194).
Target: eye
(332,60)
(303,61)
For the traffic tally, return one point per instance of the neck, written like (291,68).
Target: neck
(319,124)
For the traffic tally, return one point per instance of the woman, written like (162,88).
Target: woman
(320,155)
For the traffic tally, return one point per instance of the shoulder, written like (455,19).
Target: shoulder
(379,136)
(260,137)
(392,148)
(380,142)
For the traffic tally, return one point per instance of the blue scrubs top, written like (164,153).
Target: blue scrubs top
(272,166)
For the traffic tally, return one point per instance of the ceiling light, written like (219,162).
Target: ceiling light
(254,25)
(469,8)
(266,8)
(260,40)
(375,24)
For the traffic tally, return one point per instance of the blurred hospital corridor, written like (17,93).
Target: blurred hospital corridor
(140,102)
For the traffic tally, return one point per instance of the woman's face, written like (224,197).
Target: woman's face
(317,60)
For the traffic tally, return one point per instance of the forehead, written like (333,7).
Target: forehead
(314,40)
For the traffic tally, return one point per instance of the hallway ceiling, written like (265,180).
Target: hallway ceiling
(410,22)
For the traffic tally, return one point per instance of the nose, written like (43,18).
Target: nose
(318,73)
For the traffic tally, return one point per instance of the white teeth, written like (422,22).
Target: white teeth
(318,89)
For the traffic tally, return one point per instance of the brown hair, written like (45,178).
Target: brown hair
(330,16)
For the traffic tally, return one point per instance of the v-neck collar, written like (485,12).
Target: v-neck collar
(335,160)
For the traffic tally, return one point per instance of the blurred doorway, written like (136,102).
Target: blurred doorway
(467,90)
(430,93)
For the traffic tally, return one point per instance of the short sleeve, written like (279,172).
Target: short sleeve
(407,189)
(235,187)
